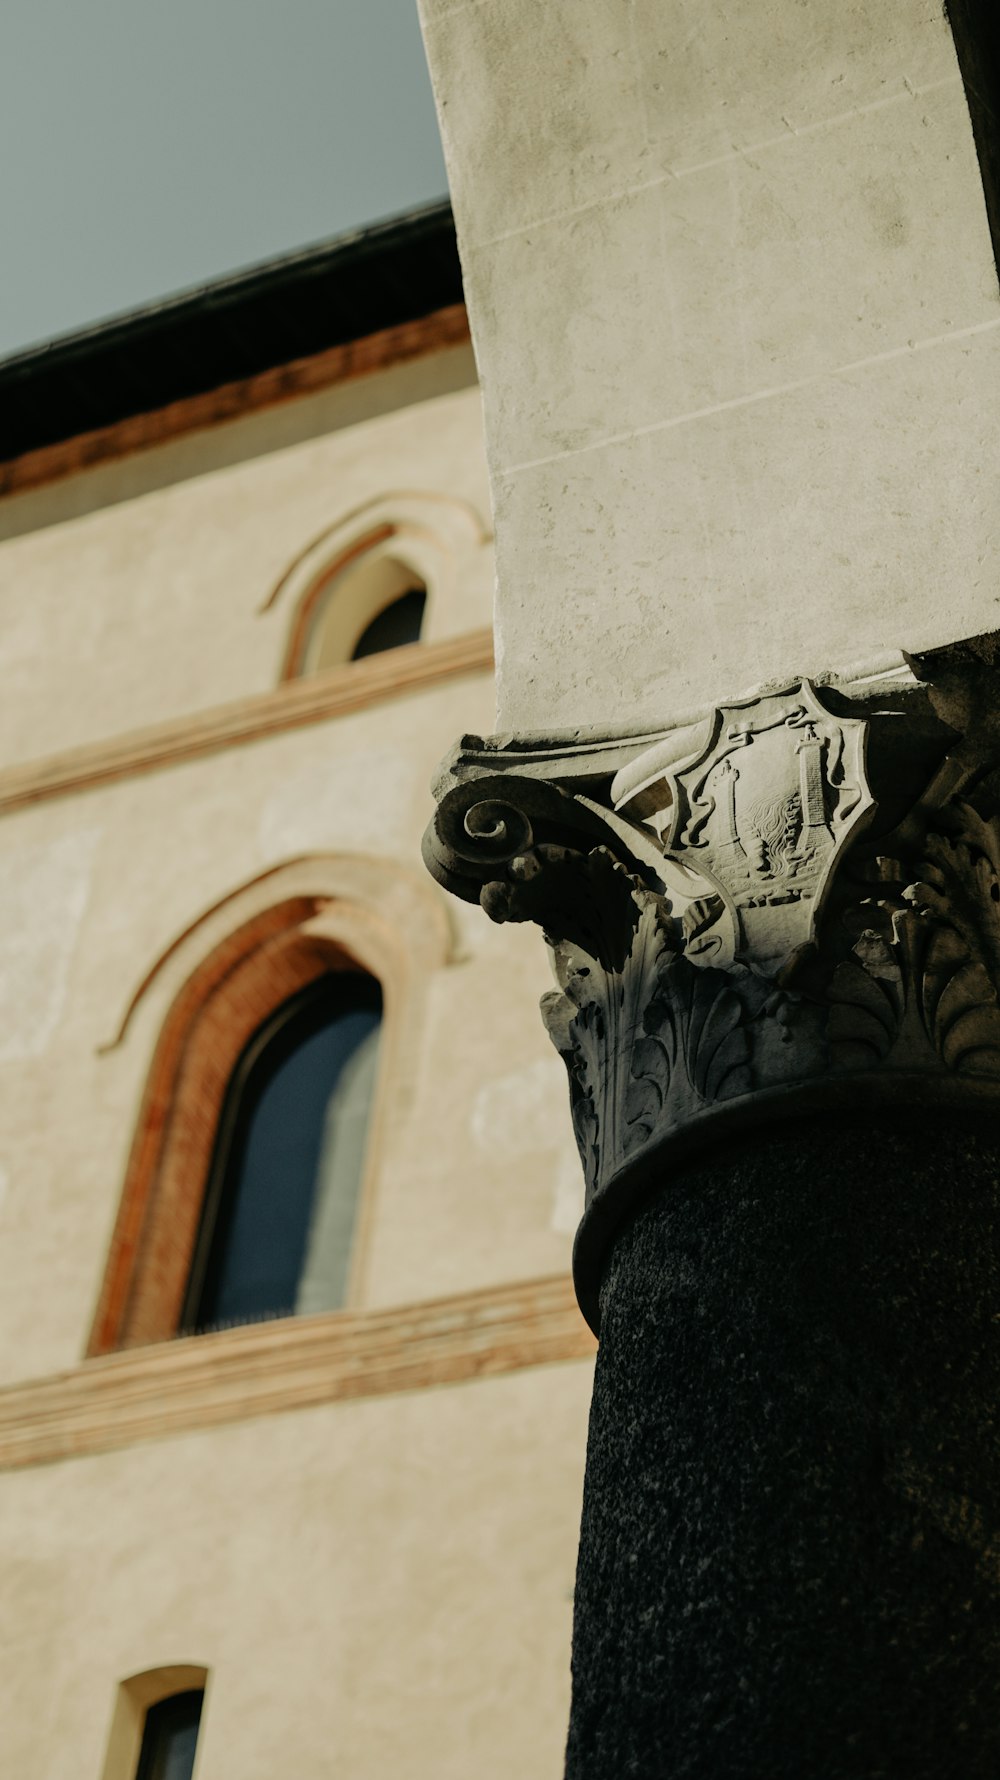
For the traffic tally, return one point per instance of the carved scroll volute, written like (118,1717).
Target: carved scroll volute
(477,829)
(526,849)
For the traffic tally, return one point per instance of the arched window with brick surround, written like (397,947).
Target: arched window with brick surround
(369,598)
(405,568)
(284,1053)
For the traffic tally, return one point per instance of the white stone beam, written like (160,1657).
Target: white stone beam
(736,315)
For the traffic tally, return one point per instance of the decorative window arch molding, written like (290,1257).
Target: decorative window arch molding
(434,536)
(227,973)
(135,1697)
(347,593)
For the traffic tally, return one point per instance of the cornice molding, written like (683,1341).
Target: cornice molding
(443,329)
(792,904)
(204,1381)
(292,705)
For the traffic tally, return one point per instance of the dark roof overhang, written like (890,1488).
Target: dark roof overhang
(287,309)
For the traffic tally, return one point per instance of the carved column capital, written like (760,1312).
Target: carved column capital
(792,902)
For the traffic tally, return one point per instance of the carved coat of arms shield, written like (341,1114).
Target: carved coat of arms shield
(763,810)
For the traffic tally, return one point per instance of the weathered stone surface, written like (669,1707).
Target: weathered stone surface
(790,1555)
(734,302)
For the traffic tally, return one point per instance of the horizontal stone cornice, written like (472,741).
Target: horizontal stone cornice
(290,706)
(203,1381)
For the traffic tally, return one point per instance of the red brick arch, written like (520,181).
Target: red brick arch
(223,1002)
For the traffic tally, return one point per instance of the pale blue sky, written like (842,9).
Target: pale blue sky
(148,145)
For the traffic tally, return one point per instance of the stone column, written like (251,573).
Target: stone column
(776,939)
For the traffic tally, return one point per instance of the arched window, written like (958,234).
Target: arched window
(269,1031)
(170,1737)
(154,1729)
(408,566)
(370,602)
(395,625)
(279,1210)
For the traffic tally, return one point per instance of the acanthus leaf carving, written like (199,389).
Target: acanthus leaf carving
(925,989)
(651,1039)
(595,1018)
(697,1051)
(866,1005)
(958,885)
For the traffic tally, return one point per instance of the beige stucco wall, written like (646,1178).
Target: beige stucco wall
(735,310)
(478,1158)
(133,592)
(377,1586)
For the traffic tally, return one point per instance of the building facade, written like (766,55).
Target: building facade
(323,1523)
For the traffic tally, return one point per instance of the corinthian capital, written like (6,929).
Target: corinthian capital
(792,902)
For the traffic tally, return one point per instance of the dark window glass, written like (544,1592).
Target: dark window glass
(279,1211)
(397,624)
(170,1737)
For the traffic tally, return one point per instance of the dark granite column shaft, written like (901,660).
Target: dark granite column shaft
(790,1549)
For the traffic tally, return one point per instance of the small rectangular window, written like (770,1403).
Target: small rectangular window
(170,1737)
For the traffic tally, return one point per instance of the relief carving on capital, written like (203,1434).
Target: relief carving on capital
(796,900)
(919,990)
